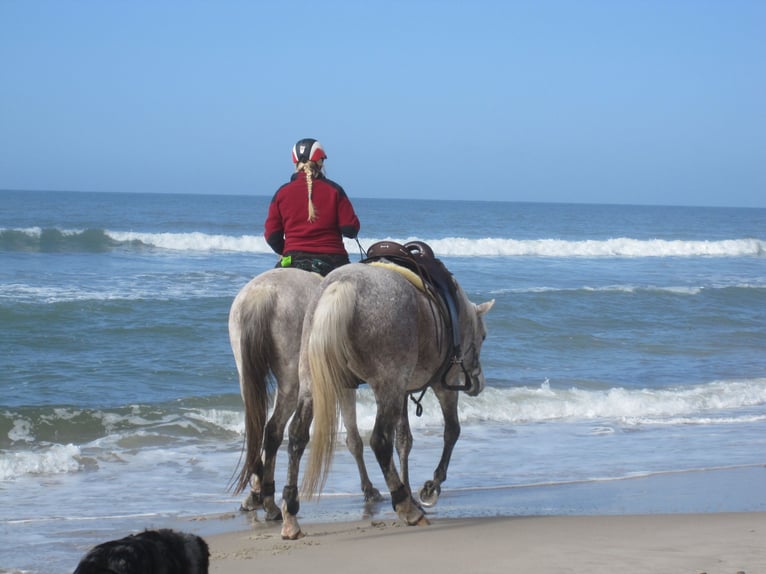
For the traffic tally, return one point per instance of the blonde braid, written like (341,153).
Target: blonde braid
(310,185)
(308,168)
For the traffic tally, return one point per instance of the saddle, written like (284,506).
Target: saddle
(419,258)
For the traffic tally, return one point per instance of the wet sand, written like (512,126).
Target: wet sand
(680,543)
(712,521)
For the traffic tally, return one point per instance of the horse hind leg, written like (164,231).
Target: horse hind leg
(254,501)
(284,407)
(262,485)
(298,439)
(382,444)
(404,444)
(355,444)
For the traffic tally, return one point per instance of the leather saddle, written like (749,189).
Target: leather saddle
(419,258)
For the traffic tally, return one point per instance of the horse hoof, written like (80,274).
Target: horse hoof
(272,513)
(251,503)
(429,494)
(372,495)
(291,530)
(418,520)
(411,514)
(292,535)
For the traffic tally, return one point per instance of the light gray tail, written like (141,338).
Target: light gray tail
(256,346)
(328,350)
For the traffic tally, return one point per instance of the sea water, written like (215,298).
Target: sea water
(626,347)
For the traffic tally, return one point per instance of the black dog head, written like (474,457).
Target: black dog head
(162,551)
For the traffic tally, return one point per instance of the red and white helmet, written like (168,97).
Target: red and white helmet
(308,149)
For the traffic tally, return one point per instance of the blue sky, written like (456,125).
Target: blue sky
(613,101)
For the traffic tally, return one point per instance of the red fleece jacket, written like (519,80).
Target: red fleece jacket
(288,229)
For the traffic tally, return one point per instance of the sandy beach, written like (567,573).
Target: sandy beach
(727,543)
(678,523)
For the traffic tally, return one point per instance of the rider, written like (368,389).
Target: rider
(309,216)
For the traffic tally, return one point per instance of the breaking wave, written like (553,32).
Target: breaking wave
(97,240)
(55,440)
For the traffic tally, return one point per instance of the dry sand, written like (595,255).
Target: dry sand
(725,543)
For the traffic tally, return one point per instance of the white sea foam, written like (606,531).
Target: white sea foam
(617,247)
(131,436)
(674,289)
(149,288)
(456,246)
(699,404)
(226,419)
(195,241)
(31,231)
(21,431)
(192,290)
(486,247)
(53,459)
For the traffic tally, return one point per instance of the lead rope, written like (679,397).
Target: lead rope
(419,407)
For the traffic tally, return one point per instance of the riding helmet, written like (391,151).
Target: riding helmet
(308,149)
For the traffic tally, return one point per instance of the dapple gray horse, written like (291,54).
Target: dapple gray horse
(265,323)
(372,324)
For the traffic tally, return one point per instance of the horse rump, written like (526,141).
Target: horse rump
(161,551)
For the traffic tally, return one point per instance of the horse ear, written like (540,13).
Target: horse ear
(484,308)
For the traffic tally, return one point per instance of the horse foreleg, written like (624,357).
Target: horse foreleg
(355,444)
(382,444)
(297,441)
(448,400)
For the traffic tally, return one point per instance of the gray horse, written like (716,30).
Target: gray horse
(265,323)
(373,324)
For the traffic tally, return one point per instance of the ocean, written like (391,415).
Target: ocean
(625,359)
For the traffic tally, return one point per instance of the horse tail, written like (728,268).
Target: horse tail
(256,346)
(328,352)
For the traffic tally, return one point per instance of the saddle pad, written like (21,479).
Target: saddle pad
(410,276)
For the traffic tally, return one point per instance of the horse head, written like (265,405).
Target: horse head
(473,331)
